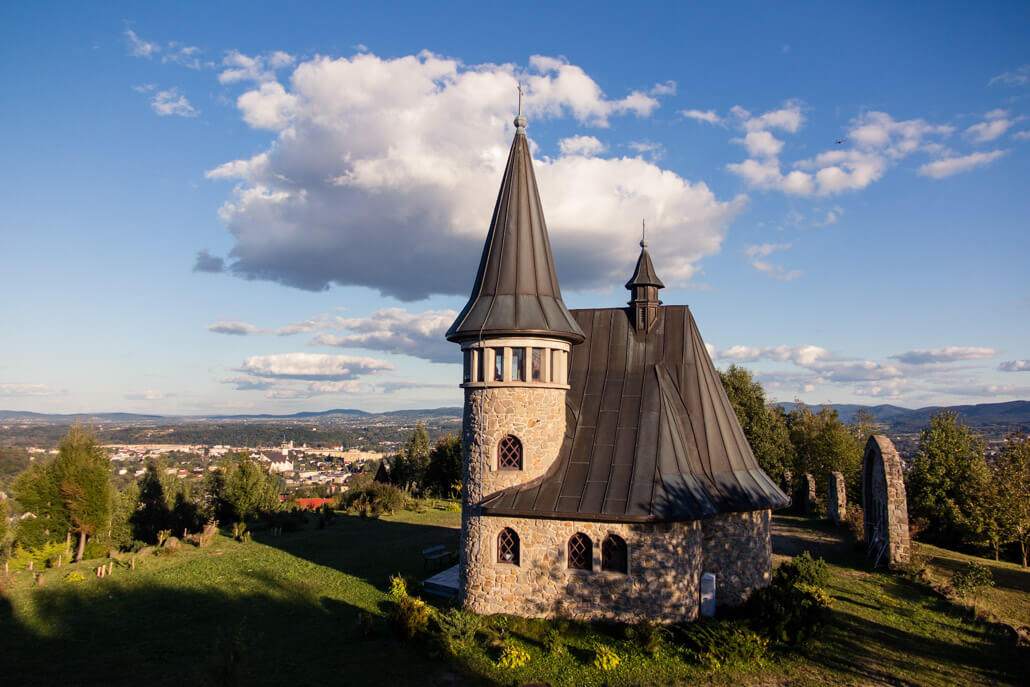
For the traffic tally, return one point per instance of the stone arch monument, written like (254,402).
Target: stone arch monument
(883,500)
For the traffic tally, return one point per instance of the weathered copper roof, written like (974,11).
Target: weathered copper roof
(645,274)
(650,434)
(516,289)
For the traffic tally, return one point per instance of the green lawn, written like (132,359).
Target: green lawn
(283,611)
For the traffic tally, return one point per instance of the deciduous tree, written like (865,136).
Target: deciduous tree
(763,425)
(82,473)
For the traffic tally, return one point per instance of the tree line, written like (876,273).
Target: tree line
(957,495)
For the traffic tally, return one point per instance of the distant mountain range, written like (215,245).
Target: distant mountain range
(898,419)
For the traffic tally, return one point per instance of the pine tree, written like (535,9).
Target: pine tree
(1011,477)
(82,473)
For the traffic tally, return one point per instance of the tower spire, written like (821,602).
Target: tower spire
(643,287)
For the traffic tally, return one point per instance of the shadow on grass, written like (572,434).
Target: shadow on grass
(247,625)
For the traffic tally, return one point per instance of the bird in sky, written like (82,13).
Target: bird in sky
(840,141)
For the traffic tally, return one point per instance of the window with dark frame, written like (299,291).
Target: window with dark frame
(518,364)
(509,453)
(581,552)
(498,364)
(537,362)
(614,554)
(508,547)
(468,366)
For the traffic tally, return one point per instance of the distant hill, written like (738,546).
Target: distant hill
(1011,414)
(316,416)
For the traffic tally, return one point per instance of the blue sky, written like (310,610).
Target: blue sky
(262,207)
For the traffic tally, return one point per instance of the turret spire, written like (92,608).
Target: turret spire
(643,286)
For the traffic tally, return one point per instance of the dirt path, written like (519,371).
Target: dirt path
(792,535)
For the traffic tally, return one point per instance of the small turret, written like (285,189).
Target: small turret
(643,287)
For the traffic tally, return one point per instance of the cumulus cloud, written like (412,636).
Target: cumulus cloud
(172,102)
(1021,135)
(945,167)
(581,145)
(232,327)
(1015,366)
(139,47)
(206,262)
(996,123)
(395,330)
(149,395)
(651,150)
(922,356)
(789,118)
(186,55)
(258,68)
(16,389)
(804,355)
(768,268)
(761,144)
(1016,77)
(384,173)
(707,116)
(312,366)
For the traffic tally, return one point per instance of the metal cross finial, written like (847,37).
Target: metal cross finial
(643,233)
(520,97)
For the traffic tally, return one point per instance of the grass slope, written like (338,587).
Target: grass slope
(283,611)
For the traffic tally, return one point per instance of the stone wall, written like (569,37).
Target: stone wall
(884,502)
(737,549)
(836,498)
(535,415)
(808,494)
(661,584)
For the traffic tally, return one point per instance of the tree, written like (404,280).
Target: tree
(948,480)
(408,470)
(1011,478)
(763,425)
(823,444)
(82,472)
(151,514)
(443,476)
(248,491)
(5,511)
(37,491)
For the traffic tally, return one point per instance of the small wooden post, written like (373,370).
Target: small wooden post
(30,565)
(110,567)
(58,560)
(132,564)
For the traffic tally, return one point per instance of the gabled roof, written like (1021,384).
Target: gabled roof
(650,435)
(516,289)
(644,274)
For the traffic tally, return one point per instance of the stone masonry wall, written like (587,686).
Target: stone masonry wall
(836,498)
(884,502)
(535,415)
(661,584)
(737,548)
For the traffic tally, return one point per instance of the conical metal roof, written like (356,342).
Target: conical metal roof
(516,290)
(645,274)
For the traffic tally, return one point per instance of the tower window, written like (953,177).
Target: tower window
(581,552)
(468,365)
(498,364)
(537,361)
(509,453)
(518,364)
(614,554)
(508,547)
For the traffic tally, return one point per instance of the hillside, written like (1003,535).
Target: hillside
(1000,416)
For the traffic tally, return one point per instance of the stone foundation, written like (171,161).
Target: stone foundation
(666,561)
(737,548)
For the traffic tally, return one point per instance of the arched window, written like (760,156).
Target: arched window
(581,552)
(614,554)
(508,547)
(509,453)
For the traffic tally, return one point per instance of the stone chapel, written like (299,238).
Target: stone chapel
(604,468)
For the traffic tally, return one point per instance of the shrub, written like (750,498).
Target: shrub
(648,634)
(74,576)
(398,586)
(409,617)
(794,606)
(373,500)
(95,549)
(972,578)
(605,657)
(854,520)
(365,625)
(721,643)
(512,657)
(39,556)
(458,625)
(554,643)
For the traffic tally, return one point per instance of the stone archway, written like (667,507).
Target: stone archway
(884,504)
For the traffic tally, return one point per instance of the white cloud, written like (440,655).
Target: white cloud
(995,124)
(767,268)
(1015,366)
(186,55)
(652,151)
(233,327)
(375,154)
(708,116)
(312,366)
(139,47)
(832,215)
(789,118)
(149,395)
(1021,135)
(15,389)
(257,68)
(922,356)
(395,330)
(953,165)
(1017,77)
(144,88)
(171,102)
(761,144)
(581,145)
(804,355)
(667,88)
